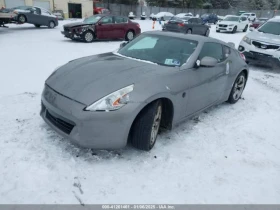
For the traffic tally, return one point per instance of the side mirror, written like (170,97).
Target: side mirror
(208,62)
(100,24)
(123,44)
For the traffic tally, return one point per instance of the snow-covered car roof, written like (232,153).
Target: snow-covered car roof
(160,14)
(184,14)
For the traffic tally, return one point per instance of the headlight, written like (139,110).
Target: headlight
(113,101)
(247,40)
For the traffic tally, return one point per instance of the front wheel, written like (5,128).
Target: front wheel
(189,31)
(245,29)
(146,126)
(88,36)
(237,88)
(21,19)
(234,29)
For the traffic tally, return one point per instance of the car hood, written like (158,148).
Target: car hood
(90,78)
(259,36)
(70,25)
(227,22)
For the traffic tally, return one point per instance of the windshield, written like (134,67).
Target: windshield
(160,49)
(92,19)
(205,15)
(270,28)
(231,18)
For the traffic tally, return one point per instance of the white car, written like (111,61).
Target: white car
(232,23)
(131,15)
(143,16)
(251,16)
(181,15)
(163,16)
(262,45)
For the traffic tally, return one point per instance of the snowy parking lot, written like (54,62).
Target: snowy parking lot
(230,155)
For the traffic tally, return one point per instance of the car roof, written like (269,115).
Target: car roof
(232,16)
(192,37)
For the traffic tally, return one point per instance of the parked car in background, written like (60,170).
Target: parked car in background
(258,22)
(262,45)
(99,8)
(35,15)
(156,81)
(163,16)
(143,16)
(240,13)
(181,15)
(151,16)
(6,16)
(102,27)
(187,25)
(233,23)
(131,15)
(59,14)
(220,18)
(209,18)
(251,16)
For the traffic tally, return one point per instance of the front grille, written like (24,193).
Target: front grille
(59,123)
(258,55)
(224,26)
(66,29)
(265,46)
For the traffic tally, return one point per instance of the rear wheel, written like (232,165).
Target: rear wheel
(207,32)
(21,19)
(88,36)
(189,31)
(237,88)
(51,24)
(129,35)
(245,29)
(146,126)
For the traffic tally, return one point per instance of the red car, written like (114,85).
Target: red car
(102,27)
(98,8)
(259,22)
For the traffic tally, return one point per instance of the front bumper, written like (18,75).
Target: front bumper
(71,35)
(224,29)
(257,55)
(97,130)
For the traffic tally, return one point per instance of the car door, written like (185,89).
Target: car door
(190,25)
(104,28)
(119,27)
(201,28)
(207,83)
(243,21)
(31,15)
(38,18)
(45,17)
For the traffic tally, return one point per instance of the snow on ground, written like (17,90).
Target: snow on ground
(231,155)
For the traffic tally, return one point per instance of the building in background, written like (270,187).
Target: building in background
(70,8)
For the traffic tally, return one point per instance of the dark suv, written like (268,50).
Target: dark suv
(209,18)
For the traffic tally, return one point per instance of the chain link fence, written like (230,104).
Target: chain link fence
(122,9)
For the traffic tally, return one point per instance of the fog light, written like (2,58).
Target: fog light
(241,48)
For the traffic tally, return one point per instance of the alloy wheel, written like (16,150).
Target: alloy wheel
(239,87)
(89,37)
(130,35)
(156,125)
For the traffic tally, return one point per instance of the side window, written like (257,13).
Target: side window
(120,19)
(37,11)
(226,51)
(191,20)
(213,50)
(107,20)
(195,21)
(199,21)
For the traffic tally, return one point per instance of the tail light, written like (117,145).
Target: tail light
(138,25)
(242,56)
(181,24)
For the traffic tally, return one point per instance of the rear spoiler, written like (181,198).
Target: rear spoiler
(231,44)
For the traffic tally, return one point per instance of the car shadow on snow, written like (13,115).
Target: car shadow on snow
(264,68)
(95,41)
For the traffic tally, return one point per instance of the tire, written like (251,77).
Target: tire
(37,26)
(129,35)
(237,88)
(189,31)
(22,19)
(207,32)
(88,36)
(234,30)
(245,29)
(146,126)
(51,24)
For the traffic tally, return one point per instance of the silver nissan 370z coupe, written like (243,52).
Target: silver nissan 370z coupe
(155,81)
